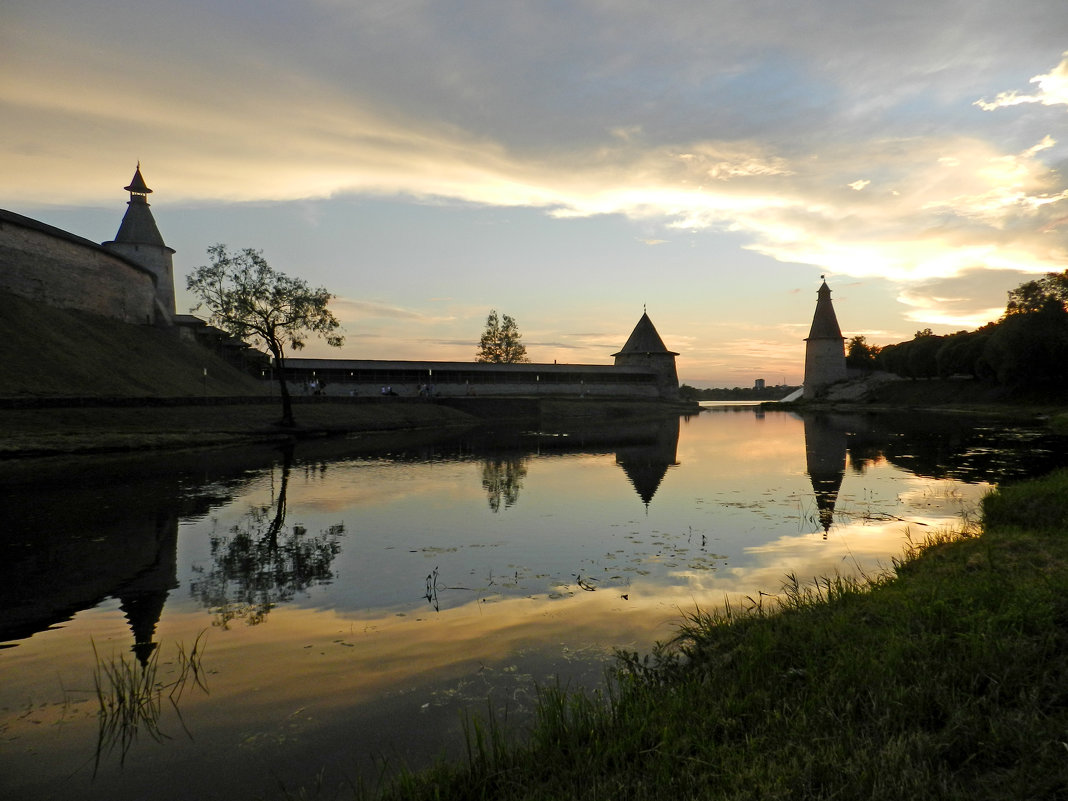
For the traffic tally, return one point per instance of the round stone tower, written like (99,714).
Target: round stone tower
(824,348)
(645,348)
(139,240)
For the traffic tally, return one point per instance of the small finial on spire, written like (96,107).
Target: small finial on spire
(137,185)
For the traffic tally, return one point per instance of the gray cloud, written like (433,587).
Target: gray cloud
(837,134)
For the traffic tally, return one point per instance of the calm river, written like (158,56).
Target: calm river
(348,604)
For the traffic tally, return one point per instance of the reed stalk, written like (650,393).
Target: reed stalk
(130,696)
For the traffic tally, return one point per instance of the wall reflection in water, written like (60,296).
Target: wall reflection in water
(86,530)
(79,531)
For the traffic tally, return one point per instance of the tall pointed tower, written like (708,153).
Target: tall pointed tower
(139,240)
(824,348)
(645,348)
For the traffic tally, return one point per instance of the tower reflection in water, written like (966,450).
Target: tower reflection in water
(79,535)
(647,463)
(80,531)
(825,460)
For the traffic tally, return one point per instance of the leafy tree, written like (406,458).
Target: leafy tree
(1033,296)
(891,358)
(1030,349)
(860,355)
(246,298)
(500,342)
(922,357)
(916,358)
(961,354)
(1027,347)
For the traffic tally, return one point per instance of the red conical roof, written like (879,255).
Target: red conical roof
(138,226)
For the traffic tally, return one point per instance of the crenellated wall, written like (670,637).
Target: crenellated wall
(49,265)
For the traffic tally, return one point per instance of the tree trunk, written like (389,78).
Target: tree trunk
(287,403)
(280,507)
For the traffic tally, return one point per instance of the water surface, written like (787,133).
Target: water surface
(354,600)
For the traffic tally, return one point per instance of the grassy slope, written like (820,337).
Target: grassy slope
(50,352)
(945,680)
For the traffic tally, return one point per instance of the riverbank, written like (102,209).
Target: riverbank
(108,429)
(882,392)
(942,679)
(53,426)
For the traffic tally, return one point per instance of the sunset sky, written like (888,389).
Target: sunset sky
(565,162)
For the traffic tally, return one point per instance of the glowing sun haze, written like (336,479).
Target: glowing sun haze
(565,163)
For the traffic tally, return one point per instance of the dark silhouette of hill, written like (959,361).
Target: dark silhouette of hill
(49,352)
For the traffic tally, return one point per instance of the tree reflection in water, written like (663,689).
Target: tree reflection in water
(259,564)
(502,478)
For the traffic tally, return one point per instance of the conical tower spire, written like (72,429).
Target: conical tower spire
(645,339)
(140,241)
(644,348)
(138,225)
(824,321)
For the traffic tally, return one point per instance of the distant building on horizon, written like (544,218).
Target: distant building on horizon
(759,384)
(825,362)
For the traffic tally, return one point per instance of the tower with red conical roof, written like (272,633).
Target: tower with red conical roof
(139,240)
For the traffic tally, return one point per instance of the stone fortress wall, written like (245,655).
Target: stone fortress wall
(52,266)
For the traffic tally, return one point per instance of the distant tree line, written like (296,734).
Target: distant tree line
(1028,345)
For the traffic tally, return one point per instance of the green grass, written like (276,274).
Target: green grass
(944,679)
(1059,422)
